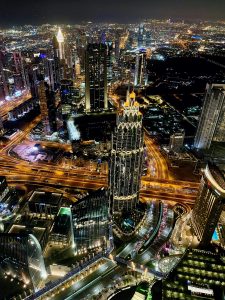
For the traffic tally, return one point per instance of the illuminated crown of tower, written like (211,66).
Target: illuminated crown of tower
(60,37)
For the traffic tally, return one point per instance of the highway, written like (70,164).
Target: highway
(161,187)
(161,167)
(10,105)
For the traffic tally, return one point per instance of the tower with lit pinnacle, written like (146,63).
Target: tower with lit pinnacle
(60,39)
(126,158)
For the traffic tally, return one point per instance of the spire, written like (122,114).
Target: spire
(60,37)
(132,95)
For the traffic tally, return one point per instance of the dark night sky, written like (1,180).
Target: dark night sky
(16,12)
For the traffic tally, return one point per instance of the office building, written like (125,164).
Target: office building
(141,36)
(30,224)
(109,61)
(44,203)
(176,142)
(22,254)
(140,76)
(47,107)
(58,73)
(209,204)
(126,157)
(13,78)
(62,230)
(211,125)
(61,43)
(1,127)
(198,275)
(3,83)
(91,221)
(4,189)
(70,98)
(96,77)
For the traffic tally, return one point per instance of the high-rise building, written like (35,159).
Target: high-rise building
(109,61)
(4,189)
(117,46)
(91,221)
(3,83)
(60,40)
(33,80)
(48,109)
(209,204)
(141,36)
(70,97)
(176,142)
(58,73)
(96,77)
(211,125)
(22,253)
(62,229)
(126,157)
(140,76)
(1,127)
(13,78)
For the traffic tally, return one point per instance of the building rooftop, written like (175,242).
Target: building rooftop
(38,232)
(46,197)
(216,178)
(199,275)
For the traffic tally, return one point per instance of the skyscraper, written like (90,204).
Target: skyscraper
(211,125)
(126,157)
(209,204)
(47,106)
(96,77)
(22,252)
(13,78)
(1,127)
(140,76)
(58,73)
(60,39)
(176,142)
(141,36)
(3,83)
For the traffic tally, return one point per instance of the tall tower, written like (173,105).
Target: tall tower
(209,204)
(126,157)
(47,107)
(58,74)
(60,39)
(25,250)
(96,77)
(211,125)
(141,36)
(140,68)
(4,92)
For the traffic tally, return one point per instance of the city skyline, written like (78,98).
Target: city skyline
(100,11)
(112,157)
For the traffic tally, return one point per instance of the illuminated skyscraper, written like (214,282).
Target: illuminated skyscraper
(23,253)
(4,189)
(176,142)
(60,39)
(209,204)
(13,77)
(4,92)
(47,106)
(58,73)
(211,125)
(140,68)
(126,157)
(96,77)
(141,36)
(1,127)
